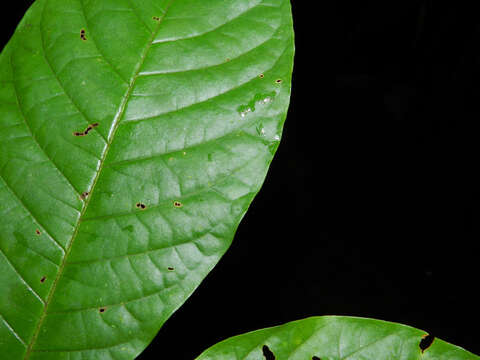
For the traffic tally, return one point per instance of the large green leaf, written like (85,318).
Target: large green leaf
(336,338)
(133,136)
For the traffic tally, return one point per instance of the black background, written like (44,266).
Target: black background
(371,206)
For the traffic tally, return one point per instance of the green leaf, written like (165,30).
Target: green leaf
(133,137)
(336,338)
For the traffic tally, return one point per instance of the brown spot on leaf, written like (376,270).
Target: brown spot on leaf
(38,232)
(82,35)
(84,195)
(156,18)
(177,204)
(141,206)
(102,310)
(42,280)
(171,269)
(278,81)
(87,130)
(261,76)
(90,127)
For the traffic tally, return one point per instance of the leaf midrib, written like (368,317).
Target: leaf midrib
(111,136)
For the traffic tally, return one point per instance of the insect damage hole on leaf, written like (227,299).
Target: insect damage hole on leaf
(87,130)
(426,342)
(268,353)
(82,35)
(141,206)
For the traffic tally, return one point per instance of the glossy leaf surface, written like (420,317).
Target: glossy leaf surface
(336,338)
(134,134)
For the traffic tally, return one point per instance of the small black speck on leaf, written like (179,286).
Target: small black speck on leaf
(42,280)
(141,206)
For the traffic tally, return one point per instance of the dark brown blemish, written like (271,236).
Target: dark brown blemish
(316,358)
(90,127)
(82,35)
(156,18)
(141,206)
(177,204)
(87,130)
(426,342)
(278,81)
(261,76)
(84,195)
(102,310)
(42,280)
(38,232)
(171,269)
(268,353)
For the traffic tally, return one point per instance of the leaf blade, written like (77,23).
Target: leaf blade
(142,207)
(335,338)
